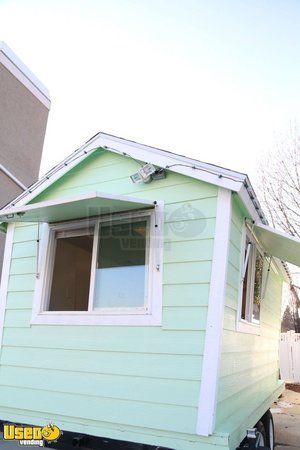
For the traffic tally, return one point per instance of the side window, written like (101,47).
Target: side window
(252,281)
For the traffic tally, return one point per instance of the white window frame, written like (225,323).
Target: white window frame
(247,325)
(149,314)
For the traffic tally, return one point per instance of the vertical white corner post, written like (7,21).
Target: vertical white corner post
(5,275)
(214,327)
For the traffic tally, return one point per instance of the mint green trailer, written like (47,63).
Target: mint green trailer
(194,365)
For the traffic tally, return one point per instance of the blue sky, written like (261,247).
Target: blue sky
(215,80)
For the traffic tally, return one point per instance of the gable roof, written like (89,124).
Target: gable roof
(235,181)
(229,179)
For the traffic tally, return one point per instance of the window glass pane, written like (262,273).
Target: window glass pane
(71,272)
(244,300)
(246,280)
(257,287)
(122,267)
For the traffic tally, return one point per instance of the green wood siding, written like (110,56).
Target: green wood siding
(135,383)
(249,363)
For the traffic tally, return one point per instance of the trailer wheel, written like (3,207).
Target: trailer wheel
(262,437)
(268,422)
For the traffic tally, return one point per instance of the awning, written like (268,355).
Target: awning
(279,244)
(75,207)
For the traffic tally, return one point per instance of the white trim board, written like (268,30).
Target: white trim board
(5,275)
(15,66)
(214,326)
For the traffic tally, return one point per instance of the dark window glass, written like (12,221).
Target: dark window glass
(71,271)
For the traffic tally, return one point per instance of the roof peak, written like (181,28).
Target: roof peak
(226,178)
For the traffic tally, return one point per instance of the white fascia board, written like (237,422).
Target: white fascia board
(184,165)
(248,203)
(181,158)
(219,176)
(52,176)
(12,63)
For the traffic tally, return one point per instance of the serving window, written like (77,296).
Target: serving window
(101,268)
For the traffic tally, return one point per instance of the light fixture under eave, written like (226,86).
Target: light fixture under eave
(159,174)
(136,177)
(146,173)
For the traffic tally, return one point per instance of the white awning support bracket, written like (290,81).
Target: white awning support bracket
(246,260)
(158,231)
(37,274)
(266,279)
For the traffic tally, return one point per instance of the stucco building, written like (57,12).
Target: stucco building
(24,108)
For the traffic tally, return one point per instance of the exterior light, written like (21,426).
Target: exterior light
(136,177)
(143,174)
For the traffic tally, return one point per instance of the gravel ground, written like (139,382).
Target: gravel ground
(286,413)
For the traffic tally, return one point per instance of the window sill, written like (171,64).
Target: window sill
(95,318)
(247,327)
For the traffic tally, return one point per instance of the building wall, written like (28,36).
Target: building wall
(23,120)
(249,363)
(136,383)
